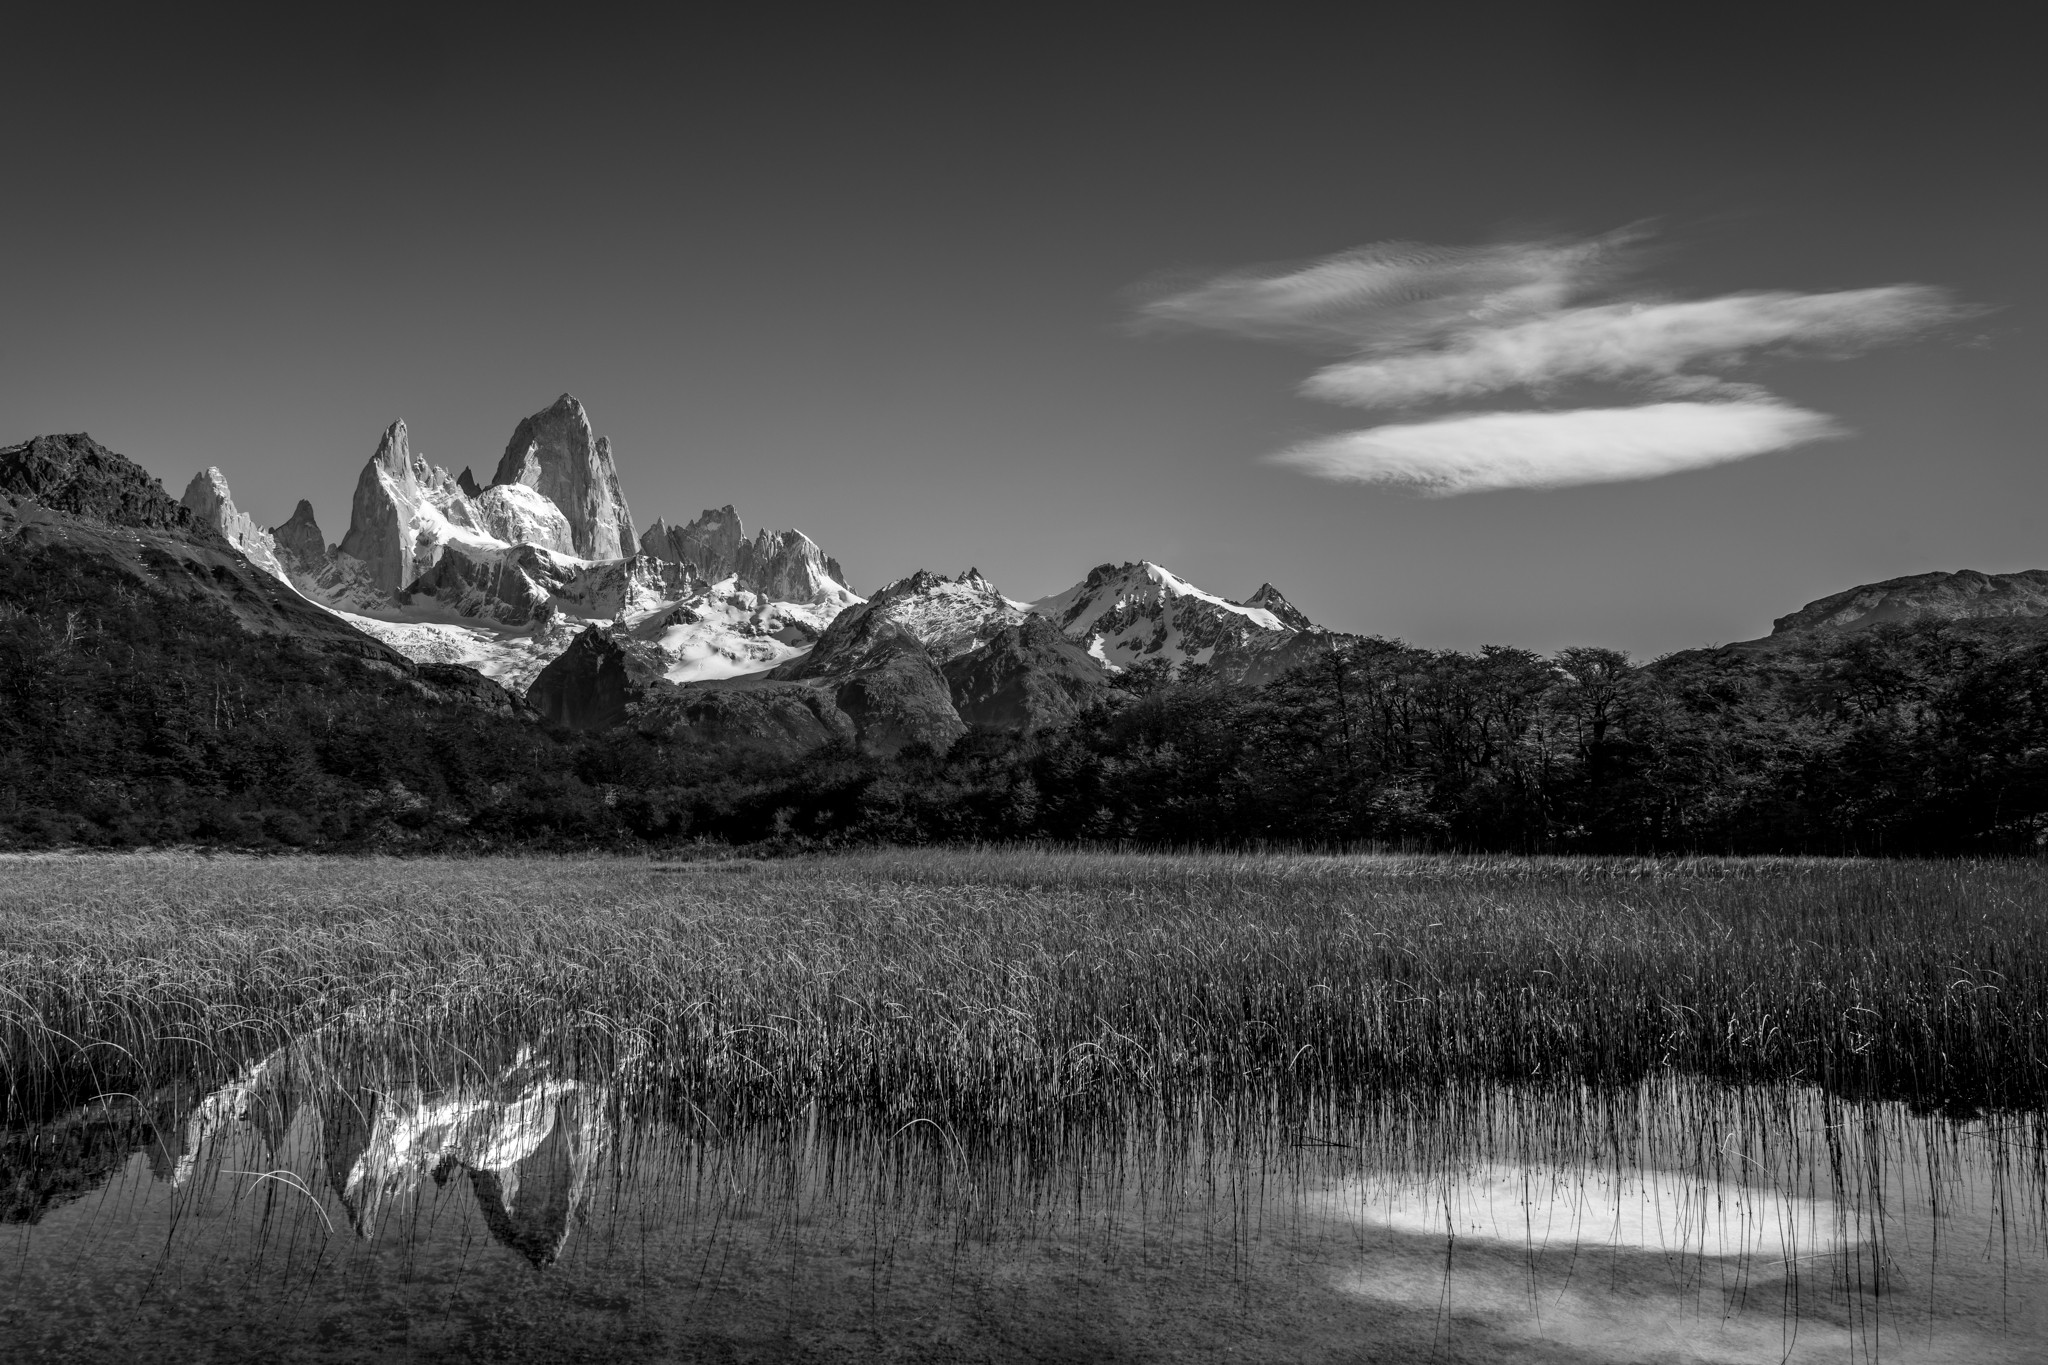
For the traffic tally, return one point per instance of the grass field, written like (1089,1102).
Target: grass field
(989,989)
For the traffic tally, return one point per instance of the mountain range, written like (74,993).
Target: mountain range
(539,582)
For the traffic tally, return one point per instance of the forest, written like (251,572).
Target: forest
(128,719)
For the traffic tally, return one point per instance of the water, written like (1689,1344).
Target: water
(496,1202)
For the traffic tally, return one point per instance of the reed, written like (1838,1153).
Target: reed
(993,989)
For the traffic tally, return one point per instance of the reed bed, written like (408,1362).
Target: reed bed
(1005,990)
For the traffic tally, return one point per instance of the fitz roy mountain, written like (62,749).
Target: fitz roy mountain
(540,582)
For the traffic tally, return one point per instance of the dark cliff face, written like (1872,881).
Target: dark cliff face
(786,721)
(1027,677)
(299,538)
(77,474)
(590,685)
(895,696)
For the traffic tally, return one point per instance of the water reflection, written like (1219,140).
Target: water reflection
(506,1199)
(524,1136)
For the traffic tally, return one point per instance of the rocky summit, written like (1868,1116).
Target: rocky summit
(554,453)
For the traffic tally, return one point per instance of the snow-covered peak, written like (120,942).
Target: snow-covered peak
(1127,613)
(1112,587)
(949,616)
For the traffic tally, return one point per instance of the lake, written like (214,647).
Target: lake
(512,1199)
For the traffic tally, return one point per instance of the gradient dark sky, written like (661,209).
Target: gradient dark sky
(870,278)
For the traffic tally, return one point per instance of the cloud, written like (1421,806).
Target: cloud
(1632,341)
(1477,452)
(1394,294)
(1425,324)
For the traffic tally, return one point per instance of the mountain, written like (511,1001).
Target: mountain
(1966,595)
(1125,614)
(541,568)
(502,578)
(554,453)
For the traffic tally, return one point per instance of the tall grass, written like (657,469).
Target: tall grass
(1008,990)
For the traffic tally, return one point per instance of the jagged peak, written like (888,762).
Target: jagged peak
(924,581)
(207,480)
(1271,599)
(716,517)
(393,452)
(466,481)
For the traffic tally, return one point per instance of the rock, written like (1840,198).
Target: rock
(626,587)
(466,481)
(786,720)
(789,567)
(1025,677)
(514,586)
(554,453)
(519,515)
(711,543)
(299,542)
(208,499)
(77,474)
(590,684)
(886,683)
(1966,595)
(380,531)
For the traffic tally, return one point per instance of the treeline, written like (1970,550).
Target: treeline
(1925,739)
(127,718)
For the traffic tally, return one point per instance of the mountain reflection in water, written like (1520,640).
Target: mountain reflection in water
(335,1201)
(526,1137)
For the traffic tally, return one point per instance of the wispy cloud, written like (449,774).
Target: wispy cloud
(1442,324)
(1394,294)
(1477,452)
(1635,341)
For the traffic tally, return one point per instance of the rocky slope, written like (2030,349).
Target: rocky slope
(1966,595)
(102,517)
(78,475)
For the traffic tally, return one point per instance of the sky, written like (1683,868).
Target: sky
(1725,310)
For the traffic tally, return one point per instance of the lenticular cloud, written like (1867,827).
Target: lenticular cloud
(1478,452)
(1429,325)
